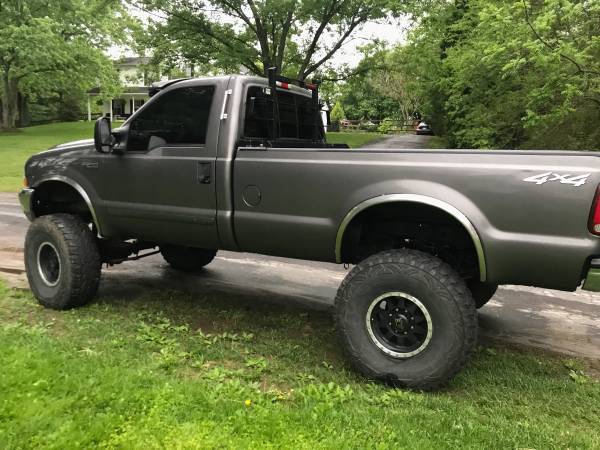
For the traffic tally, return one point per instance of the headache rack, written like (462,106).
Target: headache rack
(317,139)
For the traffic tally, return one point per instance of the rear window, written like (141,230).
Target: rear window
(298,118)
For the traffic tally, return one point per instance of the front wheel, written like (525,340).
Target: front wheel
(407,318)
(62,261)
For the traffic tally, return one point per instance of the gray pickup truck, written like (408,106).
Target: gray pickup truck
(241,163)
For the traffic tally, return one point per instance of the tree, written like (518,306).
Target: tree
(502,74)
(338,113)
(360,95)
(297,36)
(54,45)
(393,81)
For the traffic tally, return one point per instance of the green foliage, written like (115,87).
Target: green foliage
(503,74)
(136,372)
(55,47)
(386,126)
(359,95)
(297,36)
(338,113)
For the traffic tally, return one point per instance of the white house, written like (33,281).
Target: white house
(134,77)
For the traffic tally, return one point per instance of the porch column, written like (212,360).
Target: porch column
(111,110)
(89,109)
(132,104)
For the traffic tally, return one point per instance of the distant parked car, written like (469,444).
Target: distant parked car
(423,128)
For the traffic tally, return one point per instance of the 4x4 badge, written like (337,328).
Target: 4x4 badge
(573,180)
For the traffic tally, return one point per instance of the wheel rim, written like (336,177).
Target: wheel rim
(399,324)
(48,263)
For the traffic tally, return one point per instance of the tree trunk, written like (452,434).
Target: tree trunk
(9,103)
(23,110)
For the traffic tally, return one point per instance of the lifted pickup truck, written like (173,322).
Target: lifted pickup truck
(241,163)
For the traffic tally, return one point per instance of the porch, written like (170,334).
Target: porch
(121,107)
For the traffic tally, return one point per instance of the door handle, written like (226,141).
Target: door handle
(204,173)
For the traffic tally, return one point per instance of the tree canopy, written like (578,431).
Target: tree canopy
(55,45)
(297,36)
(505,74)
(491,74)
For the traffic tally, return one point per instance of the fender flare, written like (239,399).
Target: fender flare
(414,198)
(80,190)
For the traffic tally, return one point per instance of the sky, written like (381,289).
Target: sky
(392,33)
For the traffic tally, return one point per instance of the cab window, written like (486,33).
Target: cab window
(177,117)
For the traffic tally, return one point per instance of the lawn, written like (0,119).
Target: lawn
(170,369)
(353,139)
(16,147)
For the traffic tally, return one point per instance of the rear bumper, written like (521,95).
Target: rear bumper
(25,198)
(592,279)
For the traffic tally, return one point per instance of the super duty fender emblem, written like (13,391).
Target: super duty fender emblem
(573,180)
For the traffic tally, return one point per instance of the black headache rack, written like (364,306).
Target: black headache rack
(276,140)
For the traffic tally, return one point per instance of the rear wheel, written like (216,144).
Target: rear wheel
(482,292)
(186,259)
(406,318)
(62,261)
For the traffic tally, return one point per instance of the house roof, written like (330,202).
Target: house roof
(126,90)
(132,61)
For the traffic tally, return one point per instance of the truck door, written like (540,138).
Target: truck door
(161,187)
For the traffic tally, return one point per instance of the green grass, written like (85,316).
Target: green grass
(17,146)
(176,370)
(353,139)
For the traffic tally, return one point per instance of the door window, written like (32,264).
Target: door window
(177,117)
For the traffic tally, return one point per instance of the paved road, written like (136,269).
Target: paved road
(402,141)
(558,321)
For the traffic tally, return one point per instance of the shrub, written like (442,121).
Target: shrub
(337,113)
(386,126)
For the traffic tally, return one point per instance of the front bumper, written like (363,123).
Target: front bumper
(26,198)
(592,279)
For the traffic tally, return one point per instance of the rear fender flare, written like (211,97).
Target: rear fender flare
(414,198)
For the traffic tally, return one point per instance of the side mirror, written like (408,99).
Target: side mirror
(103,138)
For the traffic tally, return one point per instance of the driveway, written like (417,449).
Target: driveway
(405,141)
(562,322)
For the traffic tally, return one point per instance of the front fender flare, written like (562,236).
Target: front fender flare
(80,190)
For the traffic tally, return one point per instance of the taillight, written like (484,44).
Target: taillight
(594,223)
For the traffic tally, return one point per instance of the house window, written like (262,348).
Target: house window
(118,107)
(177,117)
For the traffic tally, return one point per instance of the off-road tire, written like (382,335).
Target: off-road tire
(70,241)
(481,292)
(186,259)
(439,289)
